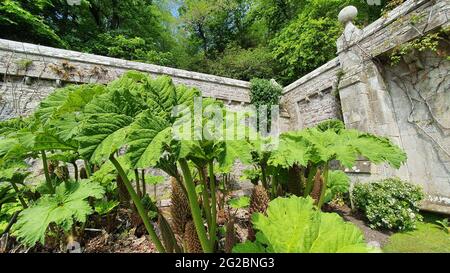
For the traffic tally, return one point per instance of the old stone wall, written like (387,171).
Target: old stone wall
(408,103)
(419,87)
(314,97)
(29,72)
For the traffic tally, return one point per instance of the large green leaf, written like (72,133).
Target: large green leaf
(151,132)
(292,149)
(378,149)
(103,134)
(67,205)
(147,136)
(294,225)
(67,100)
(320,146)
(338,182)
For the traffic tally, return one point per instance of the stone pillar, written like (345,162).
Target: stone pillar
(366,103)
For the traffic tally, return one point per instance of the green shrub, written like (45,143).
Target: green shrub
(391,203)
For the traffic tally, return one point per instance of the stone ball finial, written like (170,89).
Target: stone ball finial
(347,14)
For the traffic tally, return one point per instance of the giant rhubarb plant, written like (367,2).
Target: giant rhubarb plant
(294,225)
(312,150)
(152,144)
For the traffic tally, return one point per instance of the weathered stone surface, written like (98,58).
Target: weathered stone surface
(347,14)
(373,100)
(408,103)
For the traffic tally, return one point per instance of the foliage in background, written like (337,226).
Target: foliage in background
(389,204)
(128,29)
(244,64)
(20,20)
(241,39)
(294,225)
(428,42)
(265,93)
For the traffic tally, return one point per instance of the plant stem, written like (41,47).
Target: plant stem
(324,187)
(144,186)
(138,188)
(46,173)
(205,198)
(264,176)
(138,204)
(75,170)
(310,181)
(87,166)
(11,223)
(212,183)
(195,208)
(19,195)
(274,186)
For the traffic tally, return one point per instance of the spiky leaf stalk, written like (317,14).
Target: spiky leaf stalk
(212,183)
(205,196)
(137,202)
(195,208)
(324,185)
(170,243)
(46,172)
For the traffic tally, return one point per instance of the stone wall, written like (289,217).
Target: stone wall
(30,72)
(313,98)
(408,103)
(419,89)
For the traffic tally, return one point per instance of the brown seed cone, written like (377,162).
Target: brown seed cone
(221,217)
(83,173)
(230,236)
(66,172)
(51,168)
(191,242)
(259,201)
(294,180)
(179,209)
(124,196)
(62,172)
(317,187)
(251,236)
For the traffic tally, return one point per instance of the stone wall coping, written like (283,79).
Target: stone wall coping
(315,73)
(27,48)
(379,25)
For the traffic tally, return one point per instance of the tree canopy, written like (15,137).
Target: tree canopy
(243,39)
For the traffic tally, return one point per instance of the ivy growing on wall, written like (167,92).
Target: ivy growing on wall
(265,93)
(423,43)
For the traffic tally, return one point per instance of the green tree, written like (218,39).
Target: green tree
(309,40)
